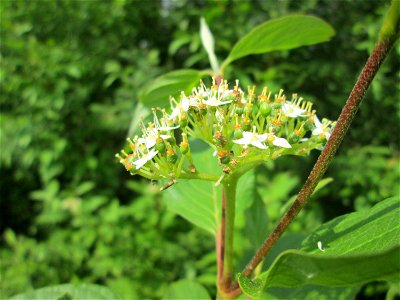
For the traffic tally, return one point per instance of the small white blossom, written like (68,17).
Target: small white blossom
(252,138)
(151,138)
(145,158)
(188,102)
(292,110)
(321,128)
(277,141)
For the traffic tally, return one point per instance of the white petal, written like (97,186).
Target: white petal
(327,135)
(242,141)
(150,142)
(185,104)
(140,163)
(317,122)
(167,128)
(317,131)
(248,135)
(259,145)
(151,154)
(165,137)
(262,137)
(145,158)
(281,142)
(175,113)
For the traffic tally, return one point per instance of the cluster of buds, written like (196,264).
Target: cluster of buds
(243,129)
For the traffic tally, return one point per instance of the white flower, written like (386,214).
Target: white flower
(184,106)
(213,101)
(292,110)
(188,102)
(252,138)
(322,128)
(145,158)
(151,138)
(277,141)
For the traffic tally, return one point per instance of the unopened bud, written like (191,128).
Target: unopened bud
(171,156)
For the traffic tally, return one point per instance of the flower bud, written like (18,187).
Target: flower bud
(309,124)
(171,156)
(238,133)
(239,110)
(128,149)
(203,108)
(219,139)
(184,147)
(224,156)
(248,108)
(183,121)
(160,145)
(321,138)
(265,109)
(277,105)
(293,138)
(246,124)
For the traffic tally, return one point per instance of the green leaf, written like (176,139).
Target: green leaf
(186,289)
(281,34)
(256,222)
(158,91)
(199,201)
(364,232)
(208,42)
(69,291)
(312,292)
(356,248)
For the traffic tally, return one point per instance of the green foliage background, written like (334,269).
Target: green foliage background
(70,76)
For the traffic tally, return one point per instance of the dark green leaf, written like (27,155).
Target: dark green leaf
(365,232)
(312,292)
(281,34)
(158,91)
(354,249)
(68,291)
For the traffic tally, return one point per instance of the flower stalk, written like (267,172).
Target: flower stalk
(230,196)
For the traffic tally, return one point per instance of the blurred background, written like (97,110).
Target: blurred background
(70,75)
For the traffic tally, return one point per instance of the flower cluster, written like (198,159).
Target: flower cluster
(243,129)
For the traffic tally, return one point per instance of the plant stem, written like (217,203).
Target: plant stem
(221,244)
(229,215)
(375,60)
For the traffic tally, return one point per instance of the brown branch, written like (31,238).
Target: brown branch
(375,60)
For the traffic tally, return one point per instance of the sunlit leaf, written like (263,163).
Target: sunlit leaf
(282,34)
(208,42)
(199,201)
